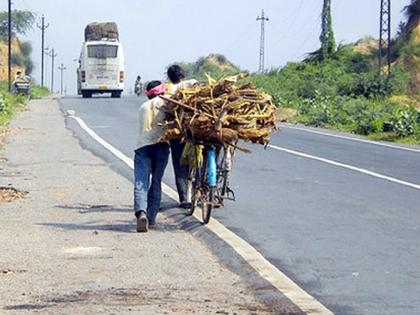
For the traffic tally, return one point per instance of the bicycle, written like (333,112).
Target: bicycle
(208,183)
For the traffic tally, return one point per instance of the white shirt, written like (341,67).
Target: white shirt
(151,117)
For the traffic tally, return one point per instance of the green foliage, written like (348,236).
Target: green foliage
(398,81)
(215,65)
(406,122)
(3,105)
(368,115)
(22,22)
(328,45)
(342,92)
(359,115)
(8,103)
(412,11)
(38,92)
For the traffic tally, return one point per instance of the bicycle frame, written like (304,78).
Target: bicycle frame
(211,167)
(209,183)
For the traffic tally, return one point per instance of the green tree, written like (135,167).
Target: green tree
(22,22)
(412,11)
(328,45)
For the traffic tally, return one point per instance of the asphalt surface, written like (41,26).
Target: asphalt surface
(349,239)
(70,246)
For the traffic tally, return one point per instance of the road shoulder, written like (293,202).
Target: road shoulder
(70,244)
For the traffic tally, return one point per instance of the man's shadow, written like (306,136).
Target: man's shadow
(177,217)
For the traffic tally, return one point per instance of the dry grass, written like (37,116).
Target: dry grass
(285,114)
(8,194)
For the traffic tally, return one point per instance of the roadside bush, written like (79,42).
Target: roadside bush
(398,82)
(405,122)
(9,104)
(345,92)
(361,84)
(39,92)
(3,105)
(317,110)
(368,115)
(361,115)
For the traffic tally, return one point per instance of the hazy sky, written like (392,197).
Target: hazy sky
(159,32)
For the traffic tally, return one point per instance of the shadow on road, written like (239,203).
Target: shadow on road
(90,208)
(178,220)
(126,227)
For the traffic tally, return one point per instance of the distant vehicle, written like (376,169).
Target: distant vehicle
(101,62)
(138,86)
(21,84)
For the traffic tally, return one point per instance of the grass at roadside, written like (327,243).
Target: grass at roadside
(10,103)
(38,92)
(402,125)
(393,137)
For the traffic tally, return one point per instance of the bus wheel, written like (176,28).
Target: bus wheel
(116,94)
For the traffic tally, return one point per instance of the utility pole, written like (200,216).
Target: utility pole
(42,27)
(47,52)
(385,37)
(61,68)
(263,19)
(9,58)
(52,54)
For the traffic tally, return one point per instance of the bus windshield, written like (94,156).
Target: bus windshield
(102,51)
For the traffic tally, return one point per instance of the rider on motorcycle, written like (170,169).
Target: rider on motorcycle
(138,86)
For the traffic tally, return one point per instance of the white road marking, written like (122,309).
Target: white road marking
(264,268)
(352,139)
(350,167)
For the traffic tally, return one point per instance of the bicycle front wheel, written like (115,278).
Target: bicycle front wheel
(207,204)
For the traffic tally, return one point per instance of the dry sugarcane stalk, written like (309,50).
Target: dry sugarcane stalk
(219,111)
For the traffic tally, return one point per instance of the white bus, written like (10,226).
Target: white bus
(101,68)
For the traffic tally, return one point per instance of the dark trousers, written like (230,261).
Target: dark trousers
(181,171)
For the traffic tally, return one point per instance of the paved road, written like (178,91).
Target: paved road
(351,240)
(70,247)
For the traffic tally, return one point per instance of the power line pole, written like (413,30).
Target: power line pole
(61,68)
(263,19)
(42,27)
(47,52)
(52,54)
(385,37)
(9,58)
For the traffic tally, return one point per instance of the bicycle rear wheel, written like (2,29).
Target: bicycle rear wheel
(193,190)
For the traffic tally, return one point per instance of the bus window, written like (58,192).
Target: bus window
(102,51)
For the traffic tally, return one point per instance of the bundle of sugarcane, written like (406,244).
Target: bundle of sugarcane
(219,111)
